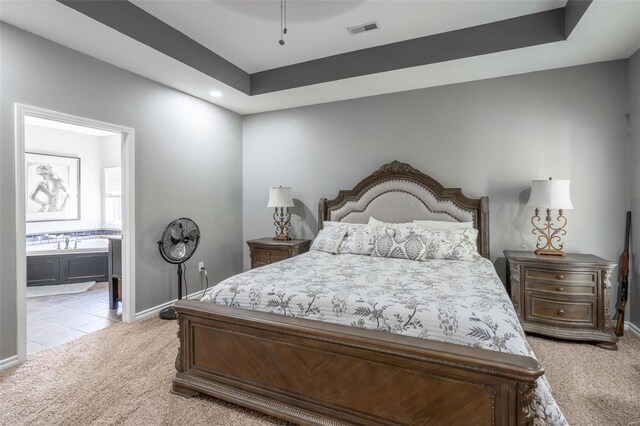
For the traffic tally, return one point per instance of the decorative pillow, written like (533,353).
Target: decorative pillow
(442,225)
(360,237)
(331,224)
(410,247)
(459,244)
(375,222)
(329,239)
(402,230)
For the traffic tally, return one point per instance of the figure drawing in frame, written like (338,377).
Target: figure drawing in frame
(53,184)
(51,192)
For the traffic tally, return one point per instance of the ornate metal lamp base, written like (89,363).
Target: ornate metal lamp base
(549,236)
(282,224)
(550,252)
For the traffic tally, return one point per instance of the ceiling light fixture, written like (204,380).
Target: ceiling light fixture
(283,21)
(215,94)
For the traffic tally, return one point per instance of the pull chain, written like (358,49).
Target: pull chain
(283,21)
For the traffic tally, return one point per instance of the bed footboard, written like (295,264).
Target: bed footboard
(311,372)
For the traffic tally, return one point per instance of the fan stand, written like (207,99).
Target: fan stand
(169,313)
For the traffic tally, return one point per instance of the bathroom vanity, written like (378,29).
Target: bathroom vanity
(50,265)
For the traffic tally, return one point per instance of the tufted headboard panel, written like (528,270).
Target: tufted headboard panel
(399,193)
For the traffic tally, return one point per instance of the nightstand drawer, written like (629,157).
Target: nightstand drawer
(573,313)
(559,276)
(270,255)
(264,251)
(561,288)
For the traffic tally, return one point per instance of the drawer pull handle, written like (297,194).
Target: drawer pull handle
(561,277)
(560,289)
(561,312)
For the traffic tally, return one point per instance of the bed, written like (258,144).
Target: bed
(351,339)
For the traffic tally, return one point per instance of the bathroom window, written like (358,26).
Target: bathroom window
(113,196)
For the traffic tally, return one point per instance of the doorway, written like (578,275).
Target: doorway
(68,244)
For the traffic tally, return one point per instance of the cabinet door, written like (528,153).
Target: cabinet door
(43,270)
(85,267)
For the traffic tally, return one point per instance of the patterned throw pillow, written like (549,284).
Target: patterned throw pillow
(401,230)
(359,237)
(410,247)
(329,239)
(459,244)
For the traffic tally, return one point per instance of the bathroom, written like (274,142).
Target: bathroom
(73,231)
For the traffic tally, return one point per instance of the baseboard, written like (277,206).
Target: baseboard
(8,362)
(156,309)
(632,328)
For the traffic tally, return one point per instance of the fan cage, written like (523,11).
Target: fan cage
(180,233)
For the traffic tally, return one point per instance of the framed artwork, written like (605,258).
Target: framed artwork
(53,187)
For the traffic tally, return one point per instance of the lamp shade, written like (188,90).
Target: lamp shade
(550,194)
(280,196)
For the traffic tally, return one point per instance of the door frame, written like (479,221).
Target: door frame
(128,216)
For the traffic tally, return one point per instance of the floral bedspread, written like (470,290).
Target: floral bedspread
(451,301)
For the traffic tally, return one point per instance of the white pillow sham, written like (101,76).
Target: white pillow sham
(375,222)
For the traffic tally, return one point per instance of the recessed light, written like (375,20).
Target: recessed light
(215,94)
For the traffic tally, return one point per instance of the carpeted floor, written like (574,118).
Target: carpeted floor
(593,386)
(121,375)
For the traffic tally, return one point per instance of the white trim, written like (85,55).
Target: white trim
(128,225)
(152,311)
(9,362)
(632,328)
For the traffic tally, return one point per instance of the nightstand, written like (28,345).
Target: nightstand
(562,296)
(264,251)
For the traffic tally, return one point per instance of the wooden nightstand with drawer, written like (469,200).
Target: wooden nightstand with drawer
(264,251)
(562,296)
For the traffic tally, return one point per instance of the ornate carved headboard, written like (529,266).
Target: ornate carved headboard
(399,193)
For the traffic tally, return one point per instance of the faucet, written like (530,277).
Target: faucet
(66,242)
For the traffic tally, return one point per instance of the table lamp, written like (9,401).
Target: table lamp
(280,197)
(550,194)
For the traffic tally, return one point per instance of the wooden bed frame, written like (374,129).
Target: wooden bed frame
(310,372)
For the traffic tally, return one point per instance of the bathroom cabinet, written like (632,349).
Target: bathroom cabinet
(67,268)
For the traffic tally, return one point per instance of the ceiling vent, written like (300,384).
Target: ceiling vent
(358,29)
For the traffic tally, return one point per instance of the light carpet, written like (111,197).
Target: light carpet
(53,290)
(122,374)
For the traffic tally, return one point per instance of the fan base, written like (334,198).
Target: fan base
(168,314)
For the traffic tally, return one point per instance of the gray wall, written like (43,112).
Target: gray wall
(488,137)
(633,304)
(188,161)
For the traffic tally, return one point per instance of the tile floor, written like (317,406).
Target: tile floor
(54,320)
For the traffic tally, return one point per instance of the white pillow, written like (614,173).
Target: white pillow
(375,222)
(455,244)
(401,230)
(360,237)
(329,239)
(442,225)
(331,224)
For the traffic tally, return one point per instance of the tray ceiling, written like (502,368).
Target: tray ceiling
(243,37)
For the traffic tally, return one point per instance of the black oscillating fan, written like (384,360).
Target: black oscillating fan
(179,241)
